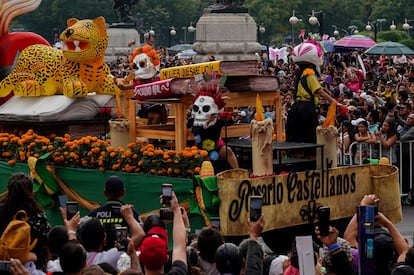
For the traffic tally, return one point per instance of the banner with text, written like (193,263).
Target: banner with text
(293,199)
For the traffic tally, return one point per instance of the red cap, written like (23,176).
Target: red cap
(154,248)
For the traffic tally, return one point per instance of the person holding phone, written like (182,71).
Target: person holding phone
(20,196)
(337,259)
(109,213)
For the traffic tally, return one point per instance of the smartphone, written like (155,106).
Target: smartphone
(256,203)
(4,265)
(122,238)
(71,209)
(215,222)
(324,214)
(166,214)
(167,193)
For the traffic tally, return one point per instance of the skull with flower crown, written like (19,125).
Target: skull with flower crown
(145,62)
(207,104)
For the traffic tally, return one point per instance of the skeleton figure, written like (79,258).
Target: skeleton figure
(207,120)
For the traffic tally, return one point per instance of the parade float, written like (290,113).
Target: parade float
(80,167)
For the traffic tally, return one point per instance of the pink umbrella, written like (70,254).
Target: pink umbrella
(355,42)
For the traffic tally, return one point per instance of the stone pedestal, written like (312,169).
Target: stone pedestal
(226,36)
(120,36)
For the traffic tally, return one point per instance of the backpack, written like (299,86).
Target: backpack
(15,242)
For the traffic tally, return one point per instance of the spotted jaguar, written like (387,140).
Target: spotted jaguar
(76,70)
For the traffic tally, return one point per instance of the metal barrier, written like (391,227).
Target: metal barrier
(404,159)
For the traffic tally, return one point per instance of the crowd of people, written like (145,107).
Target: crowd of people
(89,244)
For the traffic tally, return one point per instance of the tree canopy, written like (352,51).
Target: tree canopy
(160,15)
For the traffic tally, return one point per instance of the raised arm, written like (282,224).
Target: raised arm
(137,232)
(179,232)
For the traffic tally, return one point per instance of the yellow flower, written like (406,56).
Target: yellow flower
(208,144)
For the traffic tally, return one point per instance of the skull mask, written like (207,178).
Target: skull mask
(203,108)
(143,67)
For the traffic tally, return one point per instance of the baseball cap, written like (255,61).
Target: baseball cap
(345,247)
(114,184)
(154,248)
(356,122)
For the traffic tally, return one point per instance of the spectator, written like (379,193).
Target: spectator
(344,140)
(72,258)
(56,238)
(20,196)
(405,263)
(109,214)
(406,135)
(373,121)
(387,136)
(154,248)
(364,137)
(208,241)
(229,259)
(251,248)
(92,236)
(337,252)
(387,238)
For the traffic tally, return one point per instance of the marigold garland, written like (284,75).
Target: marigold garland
(93,153)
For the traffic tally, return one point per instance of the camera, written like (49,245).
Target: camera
(166,193)
(4,266)
(122,238)
(166,214)
(71,209)
(256,203)
(324,214)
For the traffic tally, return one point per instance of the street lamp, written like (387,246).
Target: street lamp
(393,27)
(173,32)
(406,26)
(335,32)
(374,26)
(353,29)
(149,36)
(191,29)
(260,30)
(293,20)
(313,20)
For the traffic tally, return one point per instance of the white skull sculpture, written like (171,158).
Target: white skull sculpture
(143,67)
(203,108)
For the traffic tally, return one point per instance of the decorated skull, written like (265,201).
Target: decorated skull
(145,62)
(203,108)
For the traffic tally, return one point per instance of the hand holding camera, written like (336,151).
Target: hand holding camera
(167,199)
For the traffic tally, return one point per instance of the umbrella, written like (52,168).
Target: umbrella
(355,42)
(390,48)
(328,45)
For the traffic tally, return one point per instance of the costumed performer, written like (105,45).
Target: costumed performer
(302,118)
(207,120)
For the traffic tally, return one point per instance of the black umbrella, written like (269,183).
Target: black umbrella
(389,48)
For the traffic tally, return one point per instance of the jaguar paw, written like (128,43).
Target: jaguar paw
(75,88)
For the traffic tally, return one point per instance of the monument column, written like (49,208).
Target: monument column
(227,32)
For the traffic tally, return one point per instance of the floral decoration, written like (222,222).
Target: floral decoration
(91,152)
